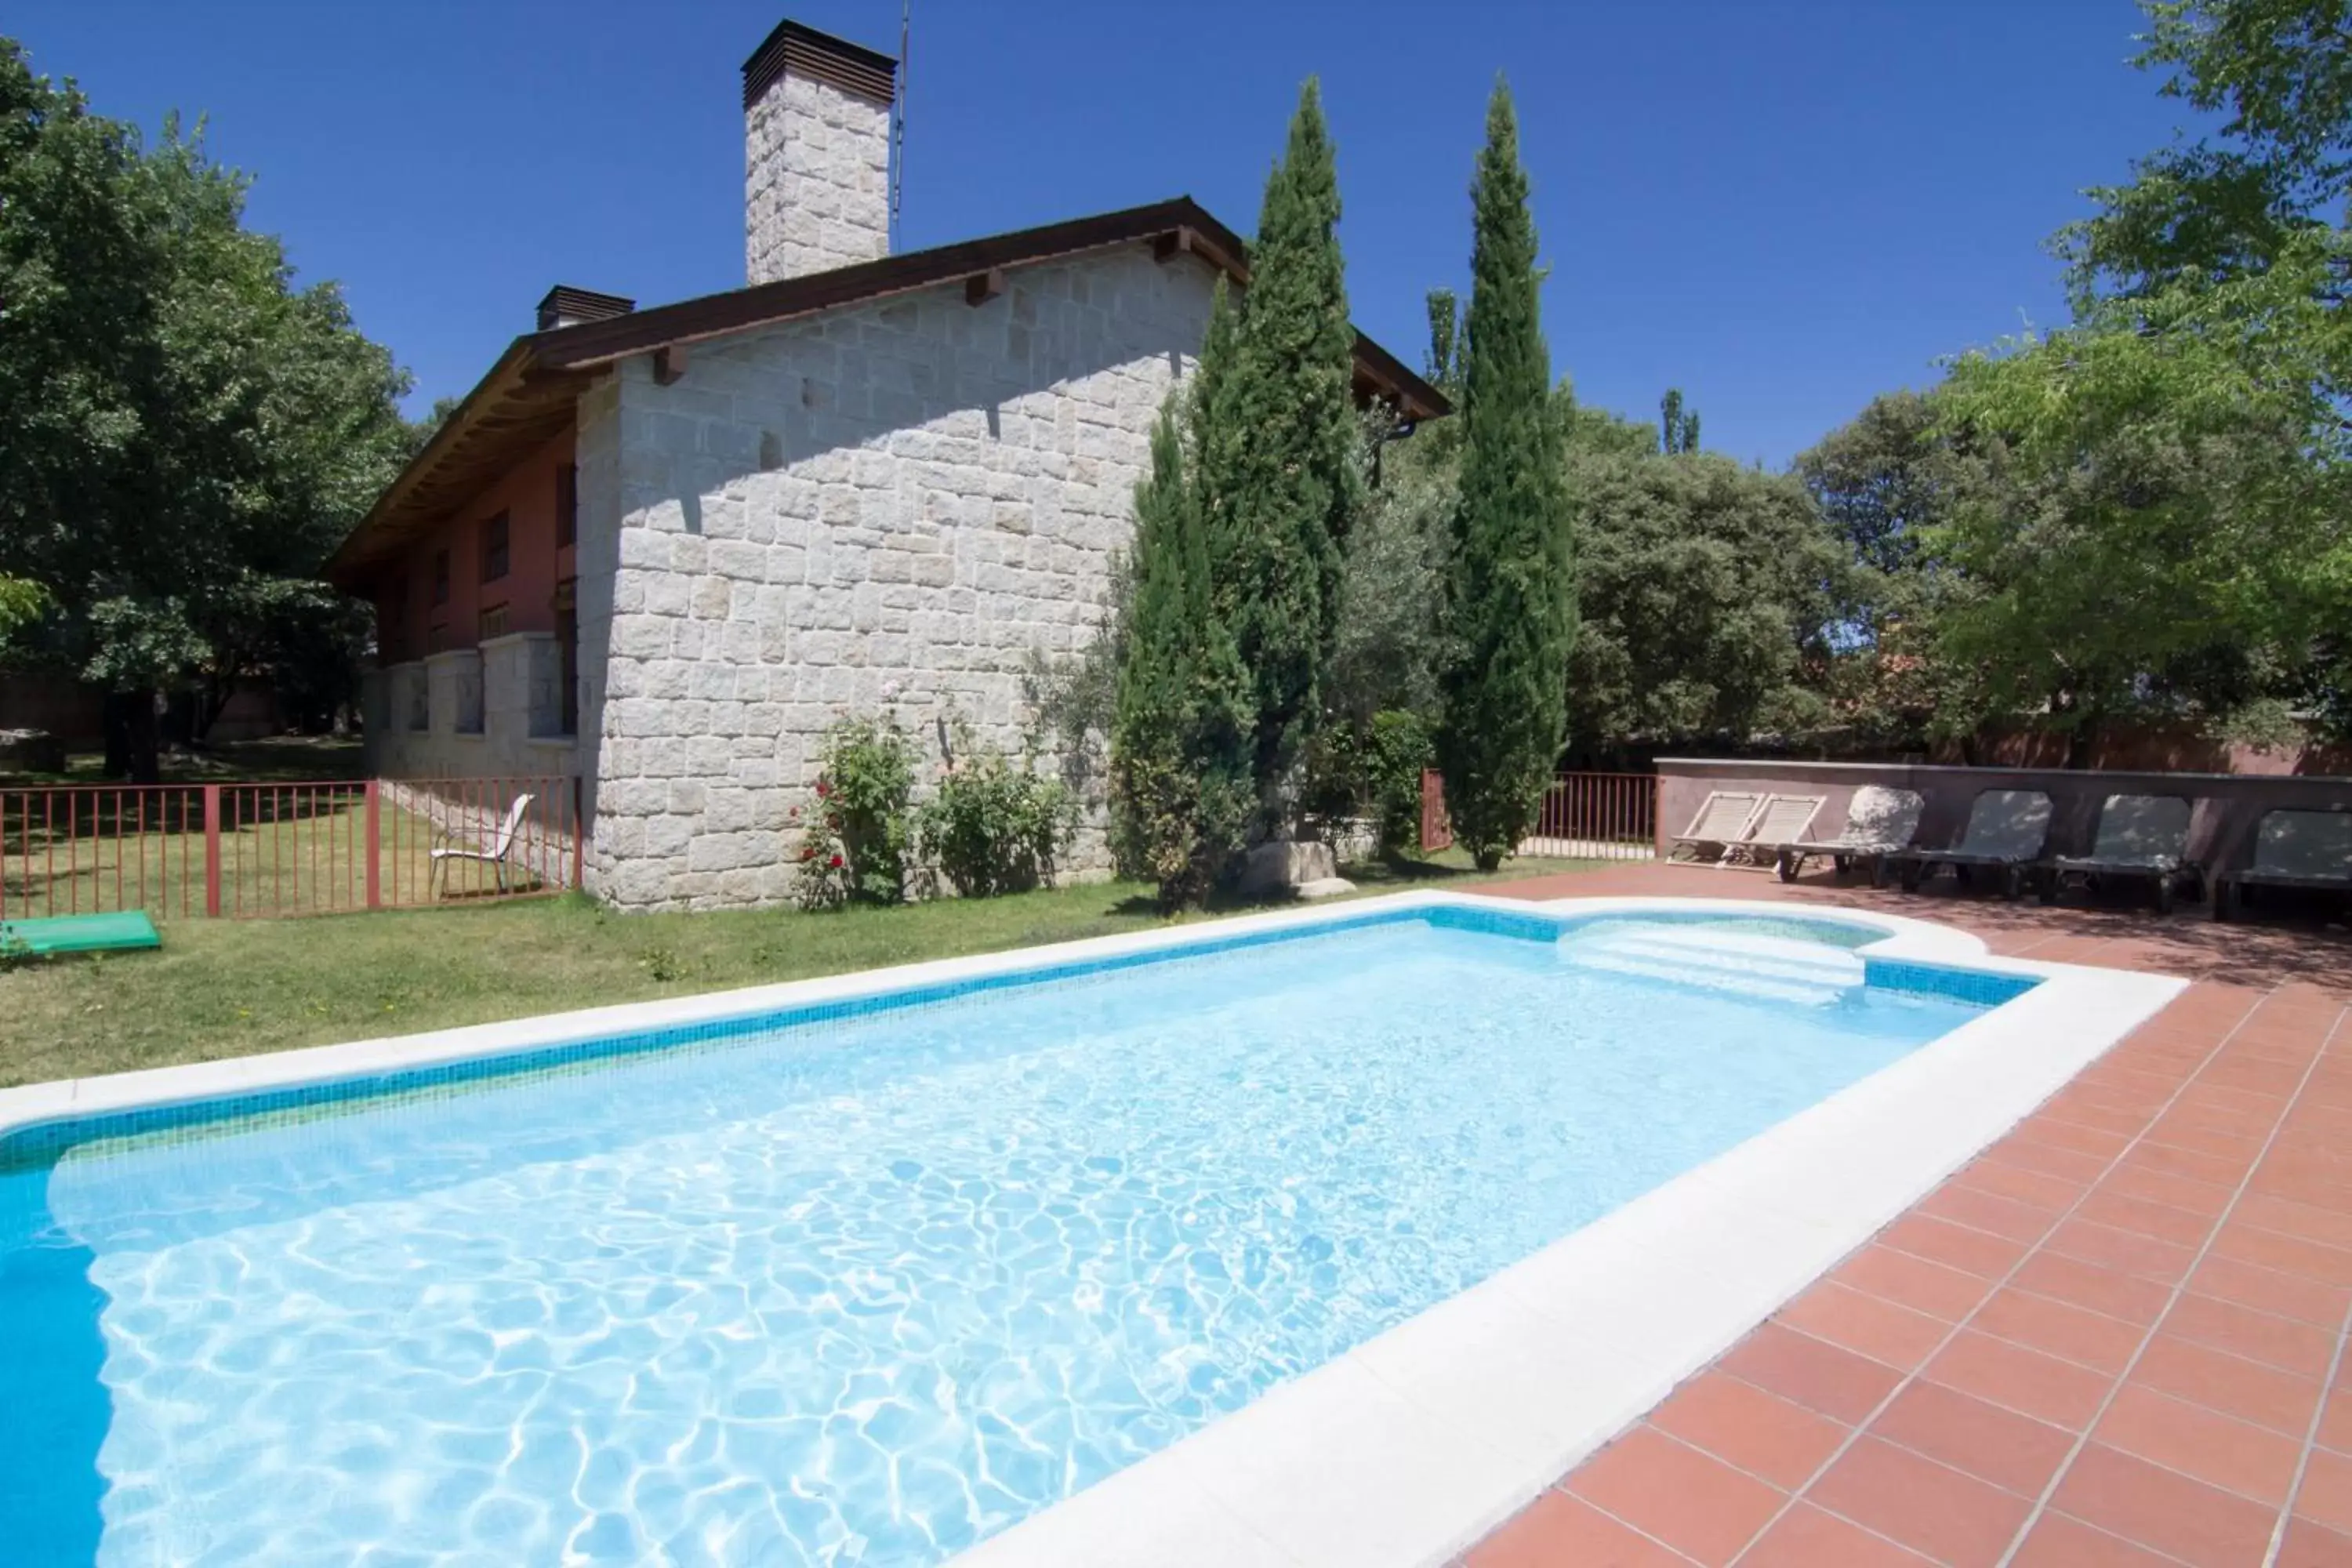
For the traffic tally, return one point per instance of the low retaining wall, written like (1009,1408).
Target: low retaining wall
(2226,806)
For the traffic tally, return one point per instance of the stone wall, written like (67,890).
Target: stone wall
(491,711)
(897,502)
(816,174)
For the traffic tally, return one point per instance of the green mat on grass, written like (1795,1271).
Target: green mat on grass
(81,933)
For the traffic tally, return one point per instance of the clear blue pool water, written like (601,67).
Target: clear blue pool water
(862,1289)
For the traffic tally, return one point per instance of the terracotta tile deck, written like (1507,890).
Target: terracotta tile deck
(2117,1337)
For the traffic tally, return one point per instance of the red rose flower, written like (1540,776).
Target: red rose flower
(808,851)
(822,789)
(837,860)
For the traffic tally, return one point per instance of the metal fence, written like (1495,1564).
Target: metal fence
(255,850)
(1597,817)
(1584,816)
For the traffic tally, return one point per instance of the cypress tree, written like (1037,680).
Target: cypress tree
(1513,602)
(1277,450)
(1181,791)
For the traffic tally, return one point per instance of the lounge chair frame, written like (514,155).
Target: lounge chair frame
(1915,866)
(451,845)
(2110,862)
(1869,834)
(2230,887)
(1706,817)
(1782,819)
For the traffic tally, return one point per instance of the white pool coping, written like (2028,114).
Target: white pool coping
(1409,1447)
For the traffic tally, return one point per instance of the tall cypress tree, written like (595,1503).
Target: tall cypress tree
(1279,471)
(1181,791)
(1513,600)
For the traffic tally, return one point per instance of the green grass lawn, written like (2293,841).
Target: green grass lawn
(225,988)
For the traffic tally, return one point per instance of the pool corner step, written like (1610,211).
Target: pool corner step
(1779,968)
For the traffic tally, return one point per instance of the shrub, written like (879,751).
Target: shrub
(854,843)
(994,827)
(1399,748)
(1373,769)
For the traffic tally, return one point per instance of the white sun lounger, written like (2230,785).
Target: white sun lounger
(2292,850)
(1783,819)
(493,854)
(1879,821)
(2006,831)
(1724,820)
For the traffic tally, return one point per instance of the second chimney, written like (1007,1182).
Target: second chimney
(816,154)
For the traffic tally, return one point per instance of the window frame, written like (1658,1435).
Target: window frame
(498,546)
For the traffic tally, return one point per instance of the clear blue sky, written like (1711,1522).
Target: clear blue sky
(1781,206)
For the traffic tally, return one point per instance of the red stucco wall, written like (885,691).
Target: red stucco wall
(525,492)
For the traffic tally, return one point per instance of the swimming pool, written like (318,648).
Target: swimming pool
(873,1278)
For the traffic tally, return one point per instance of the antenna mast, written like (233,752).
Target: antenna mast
(899,126)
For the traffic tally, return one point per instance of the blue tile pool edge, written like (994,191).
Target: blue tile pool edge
(41,1140)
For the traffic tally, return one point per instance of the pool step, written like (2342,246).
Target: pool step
(1779,968)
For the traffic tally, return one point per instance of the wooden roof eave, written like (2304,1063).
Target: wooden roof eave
(518,396)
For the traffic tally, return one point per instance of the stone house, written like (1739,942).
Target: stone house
(661,551)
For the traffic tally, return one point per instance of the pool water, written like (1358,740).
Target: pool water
(863,1290)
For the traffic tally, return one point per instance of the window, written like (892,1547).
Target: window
(567,657)
(440,576)
(567,505)
(494,623)
(494,548)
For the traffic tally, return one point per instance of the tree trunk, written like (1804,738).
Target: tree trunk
(142,755)
(114,720)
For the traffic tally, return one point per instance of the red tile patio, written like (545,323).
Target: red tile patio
(2115,1338)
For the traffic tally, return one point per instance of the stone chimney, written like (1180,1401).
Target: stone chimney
(816,154)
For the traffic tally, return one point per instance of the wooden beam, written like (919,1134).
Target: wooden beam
(981,287)
(669,363)
(1170,246)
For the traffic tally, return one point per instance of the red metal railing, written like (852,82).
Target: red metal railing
(1586,816)
(1597,817)
(250,850)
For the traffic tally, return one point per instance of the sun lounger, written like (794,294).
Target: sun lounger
(1723,820)
(493,854)
(2139,836)
(1879,822)
(126,931)
(1783,819)
(2005,833)
(2292,850)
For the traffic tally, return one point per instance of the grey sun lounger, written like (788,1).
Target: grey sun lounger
(2139,836)
(2007,829)
(2292,850)
(1879,821)
(1723,820)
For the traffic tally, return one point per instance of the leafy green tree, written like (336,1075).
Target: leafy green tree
(2174,485)
(1677,424)
(1513,599)
(188,432)
(2280,74)
(1705,590)
(1181,744)
(1277,444)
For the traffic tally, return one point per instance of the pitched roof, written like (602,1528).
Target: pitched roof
(527,396)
